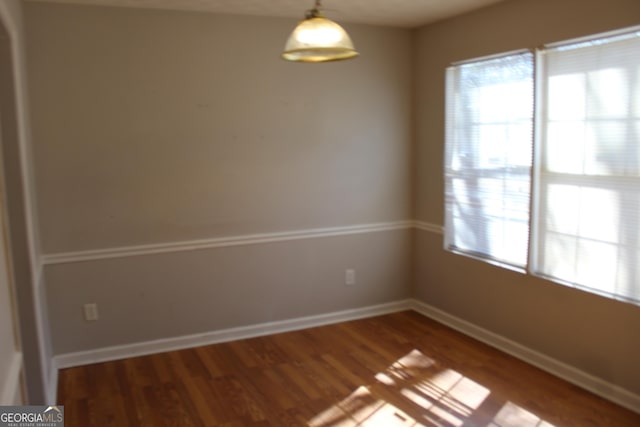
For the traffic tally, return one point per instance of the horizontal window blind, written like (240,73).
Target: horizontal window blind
(489,133)
(571,211)
(588,174)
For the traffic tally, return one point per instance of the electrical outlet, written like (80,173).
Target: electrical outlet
(91,312)
(350,277)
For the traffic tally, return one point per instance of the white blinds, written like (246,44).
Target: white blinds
(585,225)
(588,225)
(488,158)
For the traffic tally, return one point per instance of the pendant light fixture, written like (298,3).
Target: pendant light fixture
(318,39)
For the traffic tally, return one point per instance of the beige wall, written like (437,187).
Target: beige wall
(162,127)
(594,334)
(10,351)
(179,126)
(154,127)
(170,295)
(9,339)
(19,197)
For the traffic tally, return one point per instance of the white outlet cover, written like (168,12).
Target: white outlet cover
(350,277)
(91,312)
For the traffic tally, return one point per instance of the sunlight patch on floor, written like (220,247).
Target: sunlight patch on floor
(511,415)
(361,408)
(412,365)
(454,390)
(426,397)
(447,397)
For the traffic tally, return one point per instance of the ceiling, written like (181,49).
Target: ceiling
(397,13)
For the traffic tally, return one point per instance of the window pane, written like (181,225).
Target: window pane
(488,158)
(588,194)
(586,227)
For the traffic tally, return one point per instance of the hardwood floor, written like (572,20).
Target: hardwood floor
(400,369)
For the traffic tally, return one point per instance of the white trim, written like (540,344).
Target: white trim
(489,57)
(23,135)
(49,369)
(593,37)
(187,341)
(219,242)
(428,226)
(575,376)
(52,387)
(555,367)
(42,328)
(11,387)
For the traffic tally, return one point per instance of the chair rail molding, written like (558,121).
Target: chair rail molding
(220,242)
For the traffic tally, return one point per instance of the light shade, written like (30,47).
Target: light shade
(318,39)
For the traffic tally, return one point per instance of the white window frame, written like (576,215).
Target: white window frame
(452,133)
(536,250)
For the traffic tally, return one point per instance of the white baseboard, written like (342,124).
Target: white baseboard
(575,376)
(207,338)
(11,386)
(568,373)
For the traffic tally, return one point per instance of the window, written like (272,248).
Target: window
(564,205)
(488,157)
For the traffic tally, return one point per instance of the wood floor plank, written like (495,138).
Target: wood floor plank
(195,390)
(400,369)
(152,405)
(267,380)
(213,369)
(144,414)
(126,392)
